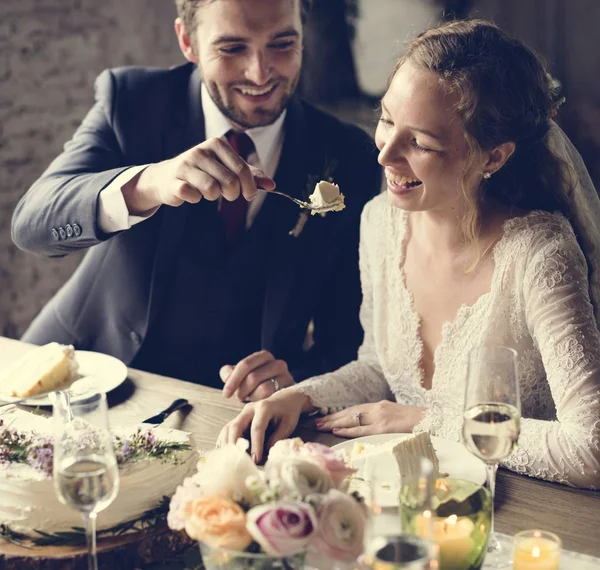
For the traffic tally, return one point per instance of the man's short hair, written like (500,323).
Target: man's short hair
(187,10)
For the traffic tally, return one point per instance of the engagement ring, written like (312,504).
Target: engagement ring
(357,416)
(275,384)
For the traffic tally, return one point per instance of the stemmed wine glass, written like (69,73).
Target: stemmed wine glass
(491,422)
(86,476)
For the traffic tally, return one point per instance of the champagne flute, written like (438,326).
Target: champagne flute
(491,421)
(86,476)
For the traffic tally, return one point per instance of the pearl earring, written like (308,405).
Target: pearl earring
(487,175)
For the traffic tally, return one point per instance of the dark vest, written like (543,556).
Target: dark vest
(212,306)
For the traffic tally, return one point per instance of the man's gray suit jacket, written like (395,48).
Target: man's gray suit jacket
(143,116)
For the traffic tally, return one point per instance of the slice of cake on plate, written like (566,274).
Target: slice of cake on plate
(399,455)
(409,451)
(42,369)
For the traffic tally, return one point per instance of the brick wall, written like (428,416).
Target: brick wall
(50,53)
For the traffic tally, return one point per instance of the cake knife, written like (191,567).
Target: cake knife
(162,416)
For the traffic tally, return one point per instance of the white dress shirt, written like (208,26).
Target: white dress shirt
(113,215)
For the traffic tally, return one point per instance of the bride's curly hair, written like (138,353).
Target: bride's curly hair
(503,94)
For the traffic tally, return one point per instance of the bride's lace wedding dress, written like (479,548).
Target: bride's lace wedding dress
(538,304)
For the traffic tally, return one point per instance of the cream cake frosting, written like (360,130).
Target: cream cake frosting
(42,369)
(28,500)
(406,451)
(327,197)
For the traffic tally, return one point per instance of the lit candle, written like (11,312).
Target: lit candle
(453,536)
(536,550)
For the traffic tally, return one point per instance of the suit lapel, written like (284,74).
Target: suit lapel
(276,217)
(185,130)
(291,177)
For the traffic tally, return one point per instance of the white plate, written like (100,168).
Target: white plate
(454,459)
(99,373)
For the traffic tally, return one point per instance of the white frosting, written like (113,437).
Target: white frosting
(28,500)
(42,369)
(404,449)
(327,197)
(409,451)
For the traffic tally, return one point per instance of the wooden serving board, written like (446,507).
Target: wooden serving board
(127,552)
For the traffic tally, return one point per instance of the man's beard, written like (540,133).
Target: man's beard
(261,117)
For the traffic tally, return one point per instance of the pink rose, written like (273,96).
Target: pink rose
(342,521)
(282,528)
(332,461)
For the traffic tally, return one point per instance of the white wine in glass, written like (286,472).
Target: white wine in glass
(491,421)
(86,476)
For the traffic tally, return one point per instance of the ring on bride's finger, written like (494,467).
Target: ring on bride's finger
(276,385)
(357,416)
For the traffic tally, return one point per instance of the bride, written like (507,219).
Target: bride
(479,239)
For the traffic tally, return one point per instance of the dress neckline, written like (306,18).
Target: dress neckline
(464,310)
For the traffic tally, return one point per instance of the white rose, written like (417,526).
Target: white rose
(285,448)
(224,472)
(297,478)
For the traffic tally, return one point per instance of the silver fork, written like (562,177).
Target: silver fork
(301,203)
(21,400)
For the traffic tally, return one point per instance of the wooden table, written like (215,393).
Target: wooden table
(521,502)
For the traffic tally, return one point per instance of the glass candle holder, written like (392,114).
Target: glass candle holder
(404,552)
(536,550)
(224,559)
(461,523)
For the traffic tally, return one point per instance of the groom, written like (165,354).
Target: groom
(193,270)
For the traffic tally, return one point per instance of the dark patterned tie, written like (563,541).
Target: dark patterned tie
(233,213)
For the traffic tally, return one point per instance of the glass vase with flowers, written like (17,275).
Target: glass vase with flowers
(293,511)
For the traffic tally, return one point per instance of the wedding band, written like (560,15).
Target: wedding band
(275,384)
(357,416)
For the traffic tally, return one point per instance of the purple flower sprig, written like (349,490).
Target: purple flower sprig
(143,444)
(40,454)
(37,450)
(13,445)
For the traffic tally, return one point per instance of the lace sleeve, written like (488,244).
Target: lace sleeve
(561,320)
(362,380)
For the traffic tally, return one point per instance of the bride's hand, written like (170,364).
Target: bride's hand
(282,410)
(370,419)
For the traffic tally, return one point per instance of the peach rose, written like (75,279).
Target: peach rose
(217,522)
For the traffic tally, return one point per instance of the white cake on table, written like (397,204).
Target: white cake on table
(28,500)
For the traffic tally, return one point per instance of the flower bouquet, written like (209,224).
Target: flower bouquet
(294,510)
